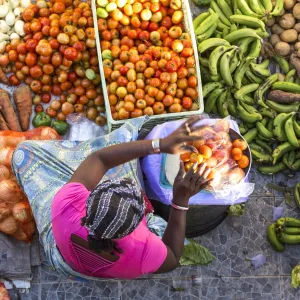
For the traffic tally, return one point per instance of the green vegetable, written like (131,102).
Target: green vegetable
(106,54)
(102,13)
(41,119)
(61,127)
(295,277)
(195,254)
(90,74)
(236,210)
(200,3)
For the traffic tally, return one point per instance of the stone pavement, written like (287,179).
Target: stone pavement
(229,277)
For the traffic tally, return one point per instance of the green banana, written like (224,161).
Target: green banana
(214,58)
(205,75)
(264,121)
(244,90)
(267,5)
(233,28)
(296,165)
(265,63)
(199,19)
(255,49)
(250,135)
(245,9)
(261,33)
(285,159)
(221,25)
(270,125)
(250,109)
(225,32)
(204,61)
(207,23)
(296,128)
(240,33)
(297,80)
(245,80)
(231,105)
(278,8)
(210,86)
(218,10)
(240,72)
(243,45)
(207,34)
(273,240)
(283,63)
(234,62)
(278,126)
(214,110)
(283,108)
(256,7)
(246,116)
(253,78)
(248,100)
(289,77)
(280,150)
(264,131)
(257,70)
(212,98)
(264,145)
(251,22)
(225,8)
(258,96)
(256,147)
(261,157)
(286,87)
(290,133)
(242,129)
(210,43)
(225,67)
(297,194)
(291,157)
(270,170)
(249,125)
(266,112)
(222,105)
(218,35)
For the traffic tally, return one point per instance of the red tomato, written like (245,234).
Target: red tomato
(43,48)
(70,53)
(54,43)
(31,45)
(171,66)
(46,97)
(21,48)
(13,80)
(186,102)
(31,59)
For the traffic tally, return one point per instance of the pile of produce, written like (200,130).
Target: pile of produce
(16,217)
(148,58)
(57,58)
(215,148)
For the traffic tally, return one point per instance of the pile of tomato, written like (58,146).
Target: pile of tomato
(215,149)
(58,57)
(148,59)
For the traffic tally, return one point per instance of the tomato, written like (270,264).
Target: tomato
(28,15)
(21,48)
(31,59)
(70,53)
(186,102)
(191,92)
(171,66)
(158,108)
(67,108)
(144,35)
(13,55)
(136,113)
(192,81)
(58,7)
(239,143)
(56,59)
(31,45)
(175,108)
(36,86)
(166,22)
(182,72)
(35,26)
(185,157)
(236,153)
(36,72)
(139,93)
(165,77)
(168,100)
(243,162)
(43,48)
(46,97)
(13,80)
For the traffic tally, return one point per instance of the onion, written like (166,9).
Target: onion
(29,229)
(6,156)
(48,133)
(4,211)
(11,140)
(22,212)
(9,192)
(4,173)
(20,235)
(8,225)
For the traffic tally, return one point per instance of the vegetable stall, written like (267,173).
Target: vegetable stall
(111,61)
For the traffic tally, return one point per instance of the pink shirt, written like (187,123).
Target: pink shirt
(143,251)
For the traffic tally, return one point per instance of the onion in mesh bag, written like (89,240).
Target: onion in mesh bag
(4,173)
(9,192)
(22,212)
(8,225)
(4,211)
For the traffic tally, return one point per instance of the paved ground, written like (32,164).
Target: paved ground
(230,277)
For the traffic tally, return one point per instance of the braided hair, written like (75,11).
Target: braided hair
(113,210)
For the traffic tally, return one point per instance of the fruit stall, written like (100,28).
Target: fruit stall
(111,61)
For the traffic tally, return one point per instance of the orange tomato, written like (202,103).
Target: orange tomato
(185,157)
(194,157)
(200,159)
(211,162)
(197,144)
(243,162)
(205,151)
(239,143)
(188,166)
(236,153)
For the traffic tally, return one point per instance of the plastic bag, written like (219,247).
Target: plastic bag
(230,184)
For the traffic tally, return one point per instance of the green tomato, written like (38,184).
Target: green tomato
(111,7)
(102,3)
(102,13)
(106,54)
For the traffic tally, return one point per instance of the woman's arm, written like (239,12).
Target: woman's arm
(184,188)
(93,168)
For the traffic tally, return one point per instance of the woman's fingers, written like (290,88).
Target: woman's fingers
(201,169)
(188,148)
(189,122)
(205,184)
(206,172)
(190,173)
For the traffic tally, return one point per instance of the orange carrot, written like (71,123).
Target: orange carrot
(8,112)
(23,101)
(3,77)
(3,124)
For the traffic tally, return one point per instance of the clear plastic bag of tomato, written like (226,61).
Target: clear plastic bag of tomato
(220,147)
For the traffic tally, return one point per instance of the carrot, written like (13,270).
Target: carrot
(3,77)
(3,124)
(8,112)
(23,101)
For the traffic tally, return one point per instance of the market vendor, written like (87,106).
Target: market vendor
(100,228)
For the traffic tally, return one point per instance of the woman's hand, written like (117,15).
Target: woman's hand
(176,142)
(189,184)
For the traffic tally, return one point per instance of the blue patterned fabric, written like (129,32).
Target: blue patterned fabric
(43,167)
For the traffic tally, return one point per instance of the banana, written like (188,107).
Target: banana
(233,28)
(250,135)
(264,131)
(270,124)
(214,58)
(256,7)
(253,78)
(283,63)
(257,70)
(245,9)
(240,33)
(203,61)
(280,150)
(214,110)
(231,105)
(218,35)
(246,116)
(205,75)
(240,72)
(264,145)
(291,158)
(207,34)
(267,5)
(290,133)
(216,78)
(262,33)
(208,87)
(234,62)
(249,125)
(222,105)
(270,170)
(221,25)
(251,22)
(258,96)
(228,2)
(218,10)
(261,157)
(210,43)
(212,98)
(225,32)
(283,108)
(224,67)
(289,77)
(285,159)
(286,87)
(199,19)
(251,110)
(207,23)
(243,45)
(278,8)
(278,126)
(267,112)
(264,64)
(255,49)
(296,128)
(225,8)
(246,89)
(248,100)
(256,147)
(243,130)
(245,81)
(297,80)
(264,121)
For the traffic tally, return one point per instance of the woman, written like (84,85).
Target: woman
(100,228)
